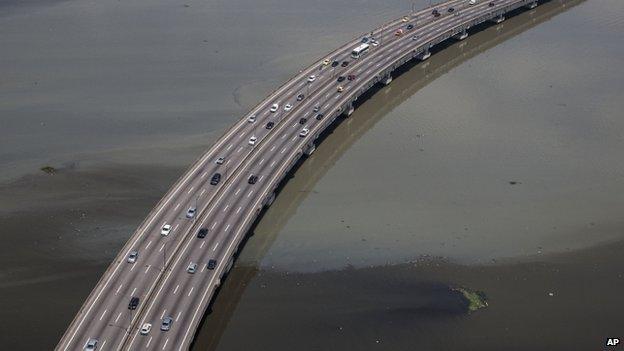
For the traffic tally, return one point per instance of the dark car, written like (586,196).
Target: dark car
(365,40)
(344,63)
(341,78)
(252,179)
(134,302)
(317,108)
(435,13)
(335,63)
(303,120)
(491,4)
(166,323)
(300,97)
(270,125)
(409,27)
(212,264)
(450,9)
(216,178)
(319,116)
(202,232)
(351,77)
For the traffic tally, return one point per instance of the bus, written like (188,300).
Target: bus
(360,50)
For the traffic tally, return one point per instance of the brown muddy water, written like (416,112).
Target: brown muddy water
(495,166)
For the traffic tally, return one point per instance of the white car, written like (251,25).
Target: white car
(311,78)
(304,132)
(145,329)
(288,107)
(91,345)
(274,108)
(472,2)
(133,256)
(251,119)
(220,160)
(165,229)
(374,42)
(190,213)
(252,140)
(192,268)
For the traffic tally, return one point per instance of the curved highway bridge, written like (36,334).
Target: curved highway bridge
(188,242)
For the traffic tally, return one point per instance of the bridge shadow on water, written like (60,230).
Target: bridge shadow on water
(371,107)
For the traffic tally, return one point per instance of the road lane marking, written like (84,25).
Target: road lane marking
(283,150)
(176,226)
(239,208)
(272,148)
(178,316)
(165,345)
(148,245)
(191,189)
(261,162)
(103,343)
(226,228)
(103,313)
(202,192)
(214,225)
(250,192)
(237,191)
(147,269)
(226,207)
(163,313)
(176,289)
(240,149)
(203,175)
(132,268)
(272,164)
(148,342)
(215,247)
(202,244)
(133,291)
(176,208)
(161,248)
(229,147)
(190,292)
(119,315)
(119,288)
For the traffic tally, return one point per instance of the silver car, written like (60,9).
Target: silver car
(133,256)
(166,323)
(190,213)
(91,345)
(220,160)
(192,268)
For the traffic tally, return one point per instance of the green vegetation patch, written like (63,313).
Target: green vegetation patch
(48,169)
(476,299)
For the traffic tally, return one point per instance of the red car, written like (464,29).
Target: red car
(351,77)
(399,32)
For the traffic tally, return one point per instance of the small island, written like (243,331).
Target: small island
(476,299)
(48,169)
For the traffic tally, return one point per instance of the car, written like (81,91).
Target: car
(311,78)
(344,63)
(145,329)
(216,178)
(134,302)
(212,264)
(472,2)
(166,228)
(288,107)
(132,257)
(303,120)
(252,140)
(409,27)
(416,37)
(190,213)
(251,119)
(270,125)
(319,116)
(340,79)
(274,108)
(304,132)
(351,77)
(399,32)
(374,42)
(252,179)
(335,63)
(365,40)
(317,108)
(340,89)
(405,19)
(491,4)
(300,97)
(450,9)
(192,268)
(91,344)
(326,62)
(166,323)
(202,232)
(435,13)
(220,160)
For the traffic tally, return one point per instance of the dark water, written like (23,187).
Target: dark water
(121,96)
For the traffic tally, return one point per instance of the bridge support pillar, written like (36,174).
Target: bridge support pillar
(309,150)
(386,80)
(498,19)
(351,109)
(461,36)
